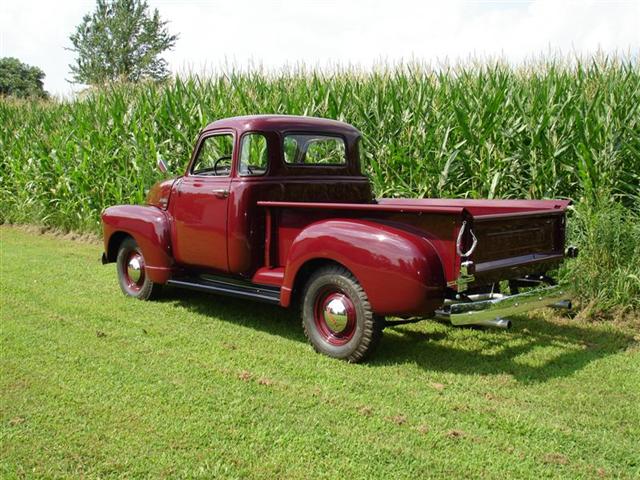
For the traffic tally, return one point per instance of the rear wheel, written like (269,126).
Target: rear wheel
(132,275)
(337,317)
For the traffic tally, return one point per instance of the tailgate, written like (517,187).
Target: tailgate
(518,243)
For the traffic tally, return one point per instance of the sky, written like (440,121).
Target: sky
(272,34)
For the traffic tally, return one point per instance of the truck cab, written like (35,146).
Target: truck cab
(277,209)
(217,224)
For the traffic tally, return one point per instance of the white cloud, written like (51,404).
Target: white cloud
(324,32)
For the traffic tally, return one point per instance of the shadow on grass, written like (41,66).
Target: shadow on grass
(534,350)
(260,316)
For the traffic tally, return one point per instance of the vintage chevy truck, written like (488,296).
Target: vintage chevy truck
(277,209)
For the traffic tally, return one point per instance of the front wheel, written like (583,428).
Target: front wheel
(337,317)
(132,275)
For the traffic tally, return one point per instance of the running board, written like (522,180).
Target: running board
(262,293)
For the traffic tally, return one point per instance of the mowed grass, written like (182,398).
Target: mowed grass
(98,385)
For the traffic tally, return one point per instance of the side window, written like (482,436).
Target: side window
(290,148)
(214,156)
(314,150)
(253,155)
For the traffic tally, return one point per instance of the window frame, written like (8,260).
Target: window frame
(203,138)
(344,164)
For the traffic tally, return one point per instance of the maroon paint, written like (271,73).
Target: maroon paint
(199,227)
(478,208)
(377,207)
(401,250)
(400,272)
(269,276)
(150,228)
(160,194)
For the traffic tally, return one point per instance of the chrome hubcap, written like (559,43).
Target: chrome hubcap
(336,315)
(134,269)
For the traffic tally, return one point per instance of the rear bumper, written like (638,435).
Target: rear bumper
(486,308)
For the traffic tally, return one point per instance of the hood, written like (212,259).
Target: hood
(160,193)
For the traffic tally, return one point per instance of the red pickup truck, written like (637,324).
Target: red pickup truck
(277,209)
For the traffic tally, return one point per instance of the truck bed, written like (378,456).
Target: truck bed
(515,237)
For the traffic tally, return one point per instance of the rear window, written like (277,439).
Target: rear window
(309,149)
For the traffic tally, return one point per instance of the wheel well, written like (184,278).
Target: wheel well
(114,244)
(304,273)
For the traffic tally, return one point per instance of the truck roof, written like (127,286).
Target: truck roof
(283,123)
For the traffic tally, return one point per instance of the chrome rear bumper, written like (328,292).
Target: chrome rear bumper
(489,309)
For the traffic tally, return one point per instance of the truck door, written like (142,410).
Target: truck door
(199,208)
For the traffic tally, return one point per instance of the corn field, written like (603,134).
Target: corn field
(549,129)
(546,130)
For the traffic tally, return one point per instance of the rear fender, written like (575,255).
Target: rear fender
(400,271)
(151,229)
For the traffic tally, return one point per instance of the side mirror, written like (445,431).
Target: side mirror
(162,166)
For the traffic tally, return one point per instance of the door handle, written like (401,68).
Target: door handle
(220,193)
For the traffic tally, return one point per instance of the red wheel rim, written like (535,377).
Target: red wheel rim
(335,316)
(133,271)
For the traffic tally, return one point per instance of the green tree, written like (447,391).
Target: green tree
(120,40)
(20,80)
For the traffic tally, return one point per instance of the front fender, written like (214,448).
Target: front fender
(150,227)
(400,271)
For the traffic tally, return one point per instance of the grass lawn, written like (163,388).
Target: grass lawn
(94,384)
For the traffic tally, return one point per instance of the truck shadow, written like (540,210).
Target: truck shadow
(260,316)
(534,350)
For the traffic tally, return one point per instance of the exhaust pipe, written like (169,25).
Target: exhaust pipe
(562,304)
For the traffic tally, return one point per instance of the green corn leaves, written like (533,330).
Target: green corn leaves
(482,130)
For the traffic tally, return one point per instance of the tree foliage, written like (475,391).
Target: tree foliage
(20,80)
(120,40)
